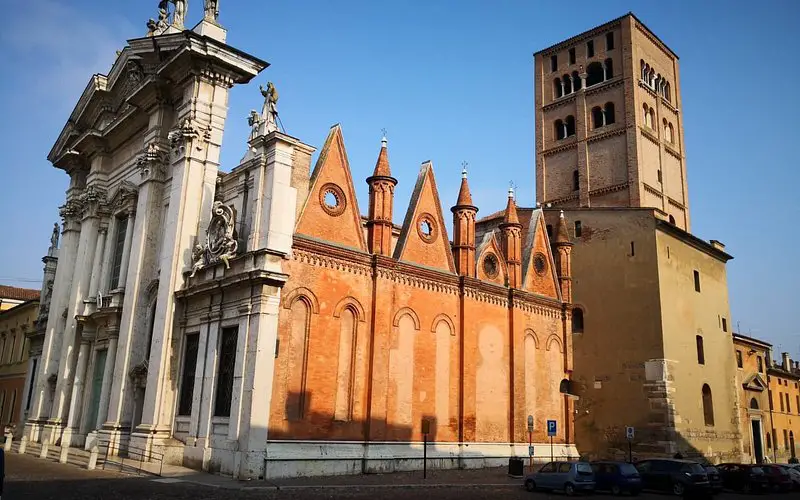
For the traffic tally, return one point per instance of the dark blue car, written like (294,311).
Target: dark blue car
(617,477)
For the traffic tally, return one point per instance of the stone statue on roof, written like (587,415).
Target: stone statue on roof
(54,237)
(211,10)
(269,113)
(179,15)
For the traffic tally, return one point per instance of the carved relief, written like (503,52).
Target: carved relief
(221,244)
(186,132)
(152,164)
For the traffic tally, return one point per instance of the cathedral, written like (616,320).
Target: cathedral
(256,323)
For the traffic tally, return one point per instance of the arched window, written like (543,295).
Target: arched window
(672,220)
(559,130)
(577,320)
(754,404)
(594,74)
(608,113)
(609,67)
(643,74)
(576,81)
(597,117)
(652,78)
(671,133)
(667,92)
(652,117)
(557,88)
(565,387)
(647,121)
(345,378)
(567,84)
(576,180)
(570,125)
(708,406)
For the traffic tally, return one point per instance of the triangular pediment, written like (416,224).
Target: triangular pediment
(331,210)
(538,278)
(423,239)
(755,383)
(491,266)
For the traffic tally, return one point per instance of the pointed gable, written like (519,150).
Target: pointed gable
(539,270)
(491,265)
(331,210)
(423,239)
(755,383)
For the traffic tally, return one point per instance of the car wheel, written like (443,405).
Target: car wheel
(530,485)
(746,488)
(677,489)
(569,490)
(615,490)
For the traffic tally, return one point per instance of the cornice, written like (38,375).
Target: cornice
(620,130)
(674,152)
(616,81)
(649,135)
(650,189)
(563,199)
(537,304)
(553,49)
(676,203)
(560,101)
(561,148)
(609,189)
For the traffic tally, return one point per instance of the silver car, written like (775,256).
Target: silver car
(569,477)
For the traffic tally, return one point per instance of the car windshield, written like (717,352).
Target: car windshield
(712,470)
(756,470)
(694,468)
(583,468)
(628,470)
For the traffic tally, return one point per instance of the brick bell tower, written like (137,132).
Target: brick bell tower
(464,215)
(381,202)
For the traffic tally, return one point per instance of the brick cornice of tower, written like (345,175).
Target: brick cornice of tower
(378,178)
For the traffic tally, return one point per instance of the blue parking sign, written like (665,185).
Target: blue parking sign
(551,428)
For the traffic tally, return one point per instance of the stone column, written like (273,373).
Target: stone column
(73,417)
(108,256)
(51,348)
(257,390)
(108,375)
(126,249)
(238,399)
(206,407)
(80,288)
(97,264)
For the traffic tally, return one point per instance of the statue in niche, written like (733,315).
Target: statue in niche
(211,10)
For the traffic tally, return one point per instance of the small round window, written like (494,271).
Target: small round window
(426,228)
(540,264)
(490,266)
(332,199)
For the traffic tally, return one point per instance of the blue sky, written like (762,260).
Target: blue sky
(451,81)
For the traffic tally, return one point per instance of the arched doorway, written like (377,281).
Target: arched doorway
(755,424)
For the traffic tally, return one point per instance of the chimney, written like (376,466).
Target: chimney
(787,363)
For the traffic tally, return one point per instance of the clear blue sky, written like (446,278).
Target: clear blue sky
(452,81)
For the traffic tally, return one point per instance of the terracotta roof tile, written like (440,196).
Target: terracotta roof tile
(382,165)
(464,196)
(14,293)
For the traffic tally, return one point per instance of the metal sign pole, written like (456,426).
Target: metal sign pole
(425,458)
(551,449)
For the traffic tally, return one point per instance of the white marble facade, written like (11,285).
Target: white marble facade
(140,279)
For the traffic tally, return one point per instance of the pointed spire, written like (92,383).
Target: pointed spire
(464,196)
(511,208)
(562,236)
(382,165)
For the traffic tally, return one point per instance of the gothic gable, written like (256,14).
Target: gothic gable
(539,270)
(423,239)
(330,212)
(491,266)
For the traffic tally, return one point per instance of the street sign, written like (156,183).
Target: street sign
(551,428)
(629,432)
(530,451)
(530,423)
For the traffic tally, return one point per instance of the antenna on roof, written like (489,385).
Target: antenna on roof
(464,166)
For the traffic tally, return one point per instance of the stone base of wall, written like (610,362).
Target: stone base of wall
(284,459)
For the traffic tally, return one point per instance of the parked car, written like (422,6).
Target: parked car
(714,478)
(569,477)
(794,474)
(617,477)
(674,475)
(778,477)
(743,477)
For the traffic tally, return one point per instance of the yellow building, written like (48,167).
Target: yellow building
(11,296)
(16,323)
(769,398)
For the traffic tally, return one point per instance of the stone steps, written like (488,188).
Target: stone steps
(80,458)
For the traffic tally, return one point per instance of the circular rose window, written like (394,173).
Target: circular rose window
(540,263)
(426,228)
(490,266)
(332,199)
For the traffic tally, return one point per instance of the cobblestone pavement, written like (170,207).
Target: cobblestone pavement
(28,477)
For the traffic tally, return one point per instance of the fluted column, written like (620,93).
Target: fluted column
(126,249)
(98,261)
(77,390)
(108,255)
